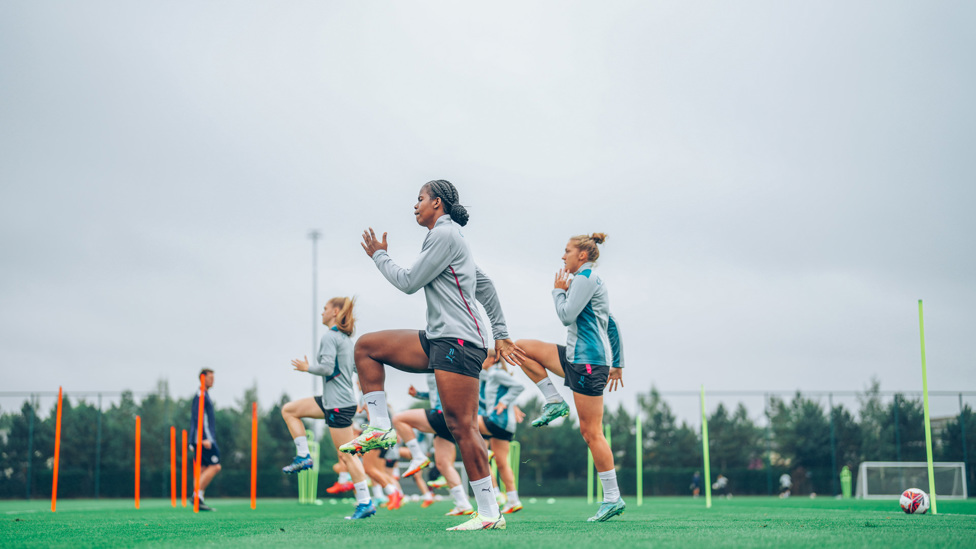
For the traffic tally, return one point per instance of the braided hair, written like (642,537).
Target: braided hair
(448,194)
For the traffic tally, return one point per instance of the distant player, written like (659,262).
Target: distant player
(695,486)
(336,405)
(591,360)
(499,421)
(432,421)
(453,345)
(210,459)
(785,485)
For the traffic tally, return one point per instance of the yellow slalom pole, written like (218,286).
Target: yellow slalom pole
(928,422)
(640,461)
(708,476)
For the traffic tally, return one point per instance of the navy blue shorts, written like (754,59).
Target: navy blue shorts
(210,456)
(453,355)
(497,431)
(585,379)
(439,425)
(337,417)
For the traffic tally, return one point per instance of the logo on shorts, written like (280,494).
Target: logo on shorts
(213,459)
(331,418)
(581,382)
(450,355)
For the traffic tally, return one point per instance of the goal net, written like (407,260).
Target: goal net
(888,479)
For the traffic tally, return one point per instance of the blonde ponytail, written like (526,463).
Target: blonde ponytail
(345,320)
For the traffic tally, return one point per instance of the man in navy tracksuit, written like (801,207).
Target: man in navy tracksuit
(210,459)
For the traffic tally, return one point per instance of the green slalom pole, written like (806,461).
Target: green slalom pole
(640,464)
(708,475)
(514,459)
(589,476)
(928,422)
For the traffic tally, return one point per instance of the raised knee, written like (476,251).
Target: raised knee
(364,345)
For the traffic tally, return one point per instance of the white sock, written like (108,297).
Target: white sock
(609,481)
(389,488)
(549,391)
(512,497)
(415,451)
(362,492)
(201,494)
(460,497)
(429,495)
(377,491)
(301,446)
(485,496)
(346,477)
(379,414)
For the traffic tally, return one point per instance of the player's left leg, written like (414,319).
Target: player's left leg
(459,397)
(590,410)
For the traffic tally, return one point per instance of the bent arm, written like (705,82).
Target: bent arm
(616,343)
(570,303)
(325,360)
(515,389)
(486,295)
(435,256)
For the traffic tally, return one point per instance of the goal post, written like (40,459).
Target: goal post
(888,479)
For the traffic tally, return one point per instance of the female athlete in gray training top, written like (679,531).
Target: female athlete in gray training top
(590,360)
(337,405)
(453,344)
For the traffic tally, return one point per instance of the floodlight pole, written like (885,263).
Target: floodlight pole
(314,234)
(833,445)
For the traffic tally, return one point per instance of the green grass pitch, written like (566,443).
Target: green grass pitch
(660,522)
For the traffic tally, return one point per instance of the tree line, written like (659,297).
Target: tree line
(97,446)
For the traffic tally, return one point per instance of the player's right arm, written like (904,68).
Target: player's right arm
(434,257)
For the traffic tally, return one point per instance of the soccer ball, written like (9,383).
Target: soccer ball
(914,501)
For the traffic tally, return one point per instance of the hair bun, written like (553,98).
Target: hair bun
(459,214)
(599,238)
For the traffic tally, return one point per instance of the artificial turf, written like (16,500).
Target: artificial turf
(660,522)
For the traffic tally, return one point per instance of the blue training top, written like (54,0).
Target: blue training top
(593,336)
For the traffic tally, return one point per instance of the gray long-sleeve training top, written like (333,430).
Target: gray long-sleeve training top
(447,272)
(336,365)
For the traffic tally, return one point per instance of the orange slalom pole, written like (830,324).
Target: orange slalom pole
(183,468)
(172,465)
(57,456)
(254,454)
(199,447)
(138,449)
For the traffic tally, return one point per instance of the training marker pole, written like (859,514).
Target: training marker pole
(138,448)
(57,456)
(183,468)
(254,454)
(640,463)
(172,465)
(708,476)
(928,422)
(197,460)
(589,476)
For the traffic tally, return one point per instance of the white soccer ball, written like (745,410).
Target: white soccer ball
(914,501)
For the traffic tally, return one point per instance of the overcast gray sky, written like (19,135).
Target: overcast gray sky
(781,182)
